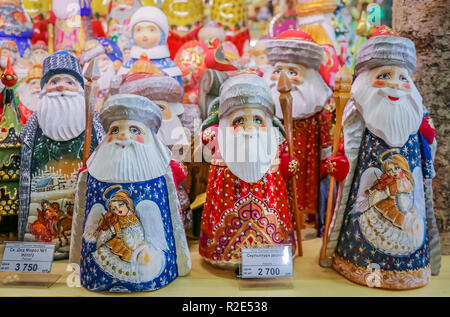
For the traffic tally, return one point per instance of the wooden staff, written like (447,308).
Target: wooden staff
(342,87)
(284,88)
(92,74)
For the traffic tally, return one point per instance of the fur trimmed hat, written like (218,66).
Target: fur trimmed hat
(61,62)
(150,14)
(294,46)
(242,90)
(386,48)
(131,107)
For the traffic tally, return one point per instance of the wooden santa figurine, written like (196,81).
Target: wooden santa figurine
(133,237)
(51,153)
(246,199)
(384,233)
(295,53)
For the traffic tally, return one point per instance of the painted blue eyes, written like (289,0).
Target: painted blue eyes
(135,131)
(404,79)
(257,120)
(384,76)
(115,131)
(238,121)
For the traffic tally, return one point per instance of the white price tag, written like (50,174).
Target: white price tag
(33,257)
(266,262)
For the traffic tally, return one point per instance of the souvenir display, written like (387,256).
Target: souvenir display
(15,26)
(10,127)
(108,57)
(246,200)
(295,53)
(133,237)
(52,147)
(385,218)
(149,29)
(135,133)
(185,20)
(118,19)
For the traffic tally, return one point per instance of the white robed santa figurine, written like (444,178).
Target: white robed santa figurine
(133,237)
(384,231)
(246,199)
(295,53)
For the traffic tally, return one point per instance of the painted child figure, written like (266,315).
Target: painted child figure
(247,203)
(52,147)
(150,29)
(385,219)
(132,238)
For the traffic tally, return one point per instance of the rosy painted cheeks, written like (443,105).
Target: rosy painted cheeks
(110,138)
(273,77)
(140,139)
(379,83)
(407,86)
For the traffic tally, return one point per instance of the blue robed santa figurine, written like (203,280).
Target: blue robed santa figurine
(150,29)
(133,237)
(51,153)
(384,233)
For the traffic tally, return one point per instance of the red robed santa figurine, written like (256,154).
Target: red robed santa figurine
(246,199)
(295,53)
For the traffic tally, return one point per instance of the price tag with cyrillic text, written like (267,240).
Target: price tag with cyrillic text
(33,257)
(266,262)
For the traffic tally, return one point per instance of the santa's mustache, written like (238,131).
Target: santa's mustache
(68,93)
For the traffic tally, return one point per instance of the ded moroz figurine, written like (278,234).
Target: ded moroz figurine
(150,28)
(108,57)
(246,199)
(118,19)
(133,237)
(51,154)
(384,233)
(28,91)
(295,53)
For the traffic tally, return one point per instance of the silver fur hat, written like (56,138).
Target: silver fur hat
(244,90)
(386,48)
(131,107)
(296,47)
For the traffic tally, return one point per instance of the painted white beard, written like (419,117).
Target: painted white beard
(248,155)
(104,81)
(308,98)
(29,98)
(61,118)
(135,162)
(392,121)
